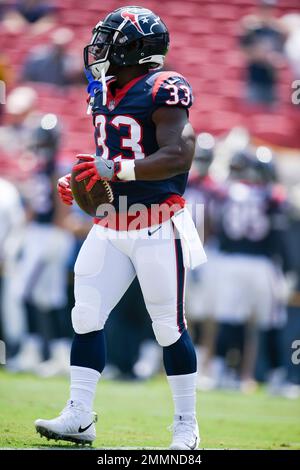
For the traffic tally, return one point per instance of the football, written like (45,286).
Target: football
(89,202)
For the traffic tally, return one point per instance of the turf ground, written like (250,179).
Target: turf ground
(138,414)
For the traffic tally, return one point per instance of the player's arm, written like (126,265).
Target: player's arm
(172,96)
(176,141)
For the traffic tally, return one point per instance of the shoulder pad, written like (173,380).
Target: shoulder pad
(171,89)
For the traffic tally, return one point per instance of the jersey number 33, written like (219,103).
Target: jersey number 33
(131,142)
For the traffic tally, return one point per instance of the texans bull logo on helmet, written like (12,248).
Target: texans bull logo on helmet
(142,21)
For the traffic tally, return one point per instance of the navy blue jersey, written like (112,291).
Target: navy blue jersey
(124,129)
(252,221)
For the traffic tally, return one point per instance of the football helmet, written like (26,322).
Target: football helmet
(254,166)
(242,165)
(265,165)
(127,36)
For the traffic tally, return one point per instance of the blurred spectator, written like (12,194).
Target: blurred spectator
(53,64)
(5,77)
(5,69)
(262,40)
(33,10)
(21,118)
(3,8)
(38,14)
(292,45)
(14,136)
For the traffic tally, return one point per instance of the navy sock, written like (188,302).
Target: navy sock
(229,337)
(180,357)
(89,350)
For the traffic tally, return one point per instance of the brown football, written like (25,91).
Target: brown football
(89,202)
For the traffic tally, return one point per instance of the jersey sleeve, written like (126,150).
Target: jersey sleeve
(172,89)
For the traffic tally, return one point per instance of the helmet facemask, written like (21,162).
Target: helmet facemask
(97,54)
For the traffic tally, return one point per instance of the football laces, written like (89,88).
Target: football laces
(108,190)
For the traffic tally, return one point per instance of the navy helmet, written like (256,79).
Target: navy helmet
(265,164)
(256,166)
(127,36)
(242,164)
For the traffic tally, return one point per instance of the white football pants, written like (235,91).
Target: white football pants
(107,264)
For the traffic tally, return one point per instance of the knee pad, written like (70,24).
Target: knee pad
(86,319)
(165,334)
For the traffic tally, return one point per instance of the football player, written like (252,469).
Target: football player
(37,264)
(144,148)
(252,235)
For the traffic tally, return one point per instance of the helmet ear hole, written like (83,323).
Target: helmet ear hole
(135,46)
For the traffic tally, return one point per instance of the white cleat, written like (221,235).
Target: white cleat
(74,424)
(185,433)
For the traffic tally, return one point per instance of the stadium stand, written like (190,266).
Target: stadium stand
(205,48)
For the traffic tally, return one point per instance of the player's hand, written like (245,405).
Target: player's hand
(64,189)
(96,168)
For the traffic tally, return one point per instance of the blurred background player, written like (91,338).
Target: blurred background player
(12,220)
(202,194)
(30,143)
(252,227)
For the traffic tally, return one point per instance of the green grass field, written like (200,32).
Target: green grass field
(138,414)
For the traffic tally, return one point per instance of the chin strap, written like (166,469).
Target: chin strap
(92,87)
(104,87)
